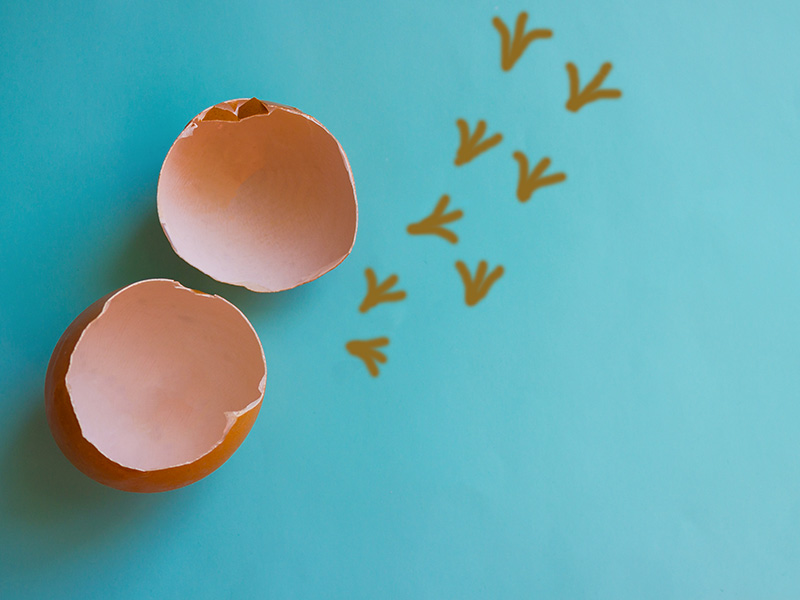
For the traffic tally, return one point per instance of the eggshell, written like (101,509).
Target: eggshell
(154,386)
(259,195)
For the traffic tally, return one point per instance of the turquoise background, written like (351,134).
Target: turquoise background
(618,418)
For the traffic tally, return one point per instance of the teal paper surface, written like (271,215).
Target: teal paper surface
(617,418)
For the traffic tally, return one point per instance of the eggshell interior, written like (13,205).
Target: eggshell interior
(258,195)
(160,376)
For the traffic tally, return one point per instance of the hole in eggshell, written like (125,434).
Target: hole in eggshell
(254,106)
(157,379)
(220,114)
(266,202)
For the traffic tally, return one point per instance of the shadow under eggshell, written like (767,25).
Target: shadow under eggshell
(258,195)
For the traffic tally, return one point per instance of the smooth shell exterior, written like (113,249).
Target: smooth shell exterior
(259,195)
(90,453)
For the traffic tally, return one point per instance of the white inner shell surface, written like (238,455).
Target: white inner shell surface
(157,378)
(266,202)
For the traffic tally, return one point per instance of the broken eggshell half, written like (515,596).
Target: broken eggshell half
(154,386)
(258,195)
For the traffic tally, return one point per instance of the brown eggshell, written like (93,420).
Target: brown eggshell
(258,195)
(154,386)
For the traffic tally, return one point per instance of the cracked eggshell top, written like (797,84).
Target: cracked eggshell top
(258,195)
